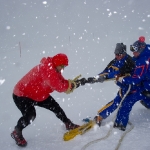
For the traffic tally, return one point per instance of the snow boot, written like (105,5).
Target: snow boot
(98,120)
(18,137)
(70,126)
(119,126)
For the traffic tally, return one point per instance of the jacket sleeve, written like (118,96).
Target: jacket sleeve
(126,66)
(56,81)
(109,70)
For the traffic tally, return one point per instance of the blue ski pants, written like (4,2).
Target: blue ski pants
(124,110)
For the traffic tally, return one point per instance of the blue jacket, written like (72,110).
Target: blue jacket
(121,67)
(141,75)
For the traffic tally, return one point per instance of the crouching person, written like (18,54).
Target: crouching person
(34,89)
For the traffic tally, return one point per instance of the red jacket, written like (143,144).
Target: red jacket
(40,81)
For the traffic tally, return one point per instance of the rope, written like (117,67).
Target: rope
(124,134)
(109,132)
(97,140)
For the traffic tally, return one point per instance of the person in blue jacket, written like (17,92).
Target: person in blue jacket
(139,79)
(121,65)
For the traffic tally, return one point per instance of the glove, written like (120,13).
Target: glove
(119,78)
(72,86)
(75,83)
(80,82)
(94,80)
(83,81)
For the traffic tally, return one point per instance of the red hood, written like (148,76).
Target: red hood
(45,60)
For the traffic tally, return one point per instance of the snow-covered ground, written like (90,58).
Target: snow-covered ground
(87,31)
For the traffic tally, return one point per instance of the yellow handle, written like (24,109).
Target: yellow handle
(80,130)
(71,134)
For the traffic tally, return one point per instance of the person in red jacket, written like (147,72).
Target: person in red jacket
(34,90)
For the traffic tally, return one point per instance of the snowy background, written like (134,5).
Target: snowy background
(87,31)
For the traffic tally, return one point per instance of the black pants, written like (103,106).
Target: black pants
(26,106)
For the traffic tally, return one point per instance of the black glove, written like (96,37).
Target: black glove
(83,81)
(94,80)
(80,82)
(91,80)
